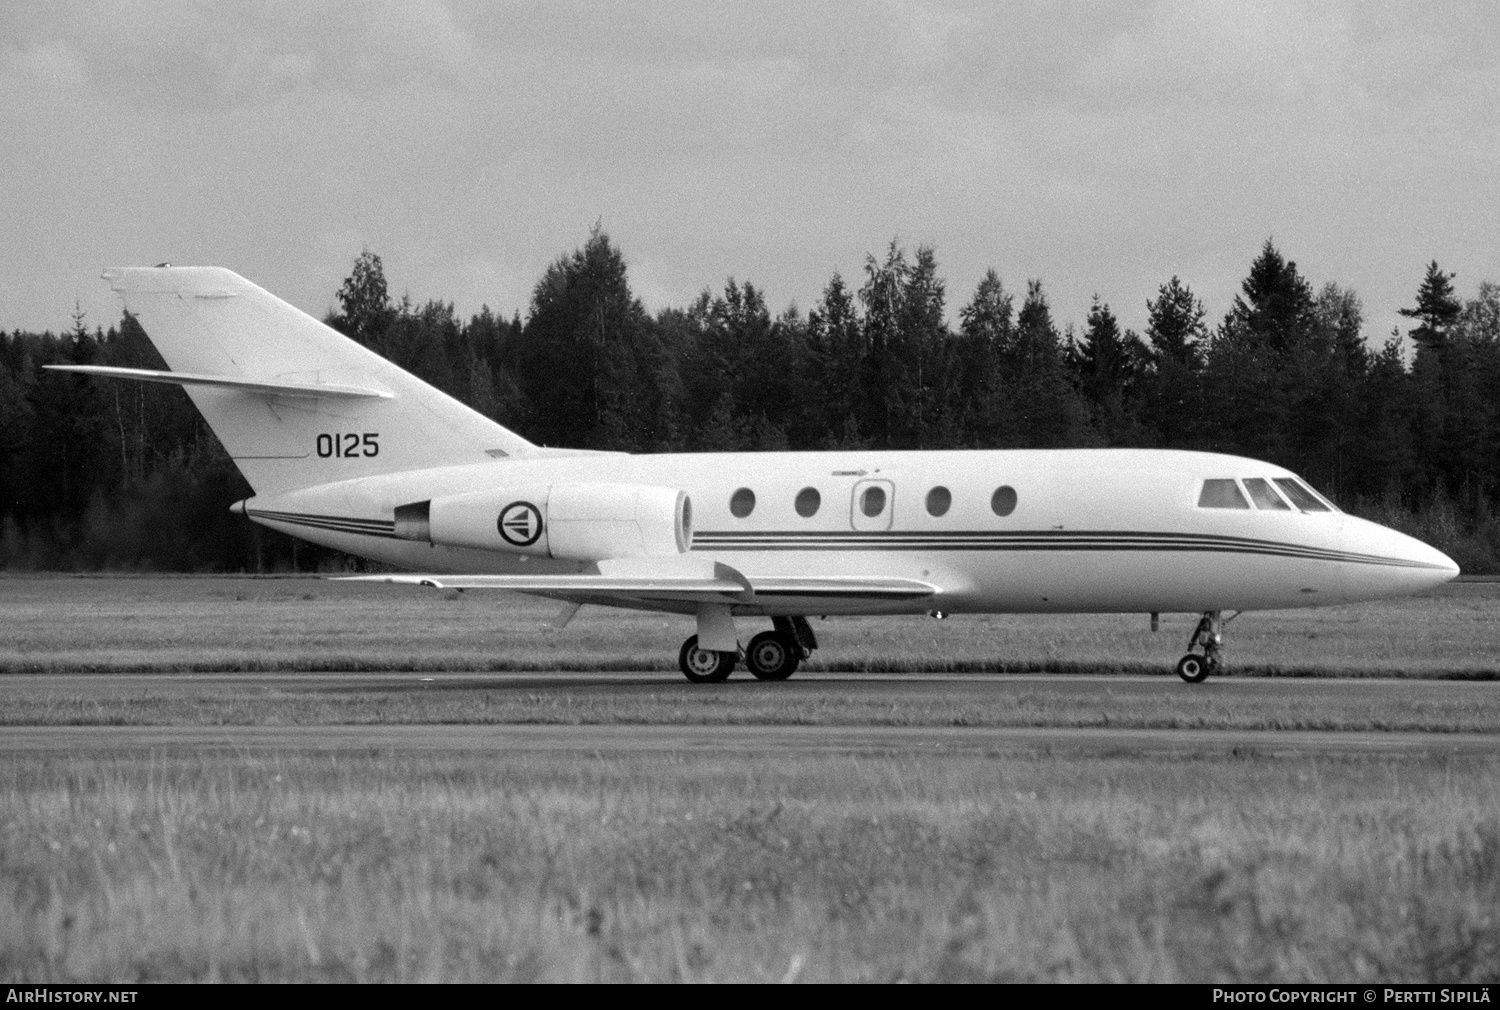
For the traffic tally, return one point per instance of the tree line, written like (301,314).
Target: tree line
(99,474)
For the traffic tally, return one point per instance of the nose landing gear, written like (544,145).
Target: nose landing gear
(1195,667)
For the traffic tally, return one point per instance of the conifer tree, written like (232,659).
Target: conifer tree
(1175,327)
(1109,365)
(1437,309)
(1274,309)
(835,348)
(588,357)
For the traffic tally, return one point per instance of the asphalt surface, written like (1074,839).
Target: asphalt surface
(125,685)
(743,740)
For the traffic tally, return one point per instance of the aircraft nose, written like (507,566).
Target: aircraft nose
(1386,562)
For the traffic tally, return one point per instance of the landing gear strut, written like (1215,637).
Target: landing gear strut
(772,655)
(1208,636)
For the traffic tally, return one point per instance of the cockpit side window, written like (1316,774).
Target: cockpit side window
(1265,496)
(1301,497)
(1221,493)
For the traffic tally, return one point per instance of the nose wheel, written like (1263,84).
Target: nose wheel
(1205,648)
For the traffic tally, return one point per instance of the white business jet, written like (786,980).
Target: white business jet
(344,449)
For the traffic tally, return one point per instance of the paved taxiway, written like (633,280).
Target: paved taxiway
(737,739)
(124,685)
(746,740)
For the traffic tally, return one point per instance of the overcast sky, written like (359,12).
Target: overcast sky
(1102,148)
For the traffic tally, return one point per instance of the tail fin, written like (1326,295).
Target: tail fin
(270,360)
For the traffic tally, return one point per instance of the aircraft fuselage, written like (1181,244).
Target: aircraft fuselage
(1078,530)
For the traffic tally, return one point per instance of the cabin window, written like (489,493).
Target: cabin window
(1265,496)
(1301,496)
(1003,501)
(872,501)
(1221,493)
(939,500)
(808,501)
(742,503)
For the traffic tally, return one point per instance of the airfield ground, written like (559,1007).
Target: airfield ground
(71,624)
(421,824)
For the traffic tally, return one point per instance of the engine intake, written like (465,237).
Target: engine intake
(578,522)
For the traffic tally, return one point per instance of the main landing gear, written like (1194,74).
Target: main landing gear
(1196,666)
(771,655)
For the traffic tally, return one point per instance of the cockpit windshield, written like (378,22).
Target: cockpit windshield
(1221,493)
(1302,497)
(1264,496)
(1230,493)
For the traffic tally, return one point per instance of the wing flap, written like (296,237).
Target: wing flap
(265,387)
(843,587)
(647,589)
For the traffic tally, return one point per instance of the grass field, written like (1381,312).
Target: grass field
(879,865)
(139,624)
(659,868)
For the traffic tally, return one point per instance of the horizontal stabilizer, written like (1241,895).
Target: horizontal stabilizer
(262,386)
(725,585)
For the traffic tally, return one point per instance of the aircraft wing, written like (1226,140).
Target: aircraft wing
(723,585)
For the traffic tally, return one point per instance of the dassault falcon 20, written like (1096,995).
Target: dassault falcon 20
(344,449)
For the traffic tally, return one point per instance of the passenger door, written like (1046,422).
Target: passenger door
(872,505)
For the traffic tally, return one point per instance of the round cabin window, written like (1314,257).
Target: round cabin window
(808,501)
(742,503)
(872,502)
(1003,501)
(939,500)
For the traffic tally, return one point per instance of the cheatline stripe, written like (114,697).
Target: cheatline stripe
(339,524)
(976,540)
(1033,540)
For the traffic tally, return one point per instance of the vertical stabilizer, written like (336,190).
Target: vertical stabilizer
(283,435)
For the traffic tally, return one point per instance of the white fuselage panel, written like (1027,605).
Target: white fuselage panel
(1082,530)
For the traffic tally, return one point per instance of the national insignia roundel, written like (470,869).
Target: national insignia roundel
(520,523)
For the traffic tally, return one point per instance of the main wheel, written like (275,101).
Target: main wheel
(772,657)
(704,666)
(1193,668)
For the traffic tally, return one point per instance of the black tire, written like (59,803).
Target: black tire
(1193,668)
(772,656)
(704,666)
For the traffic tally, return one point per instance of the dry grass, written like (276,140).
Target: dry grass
(839,869)
(212,624)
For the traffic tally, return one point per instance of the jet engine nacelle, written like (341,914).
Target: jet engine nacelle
(579,522)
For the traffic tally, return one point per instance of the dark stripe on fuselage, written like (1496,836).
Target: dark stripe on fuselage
(385,528)
(1030,540)
(966,540)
